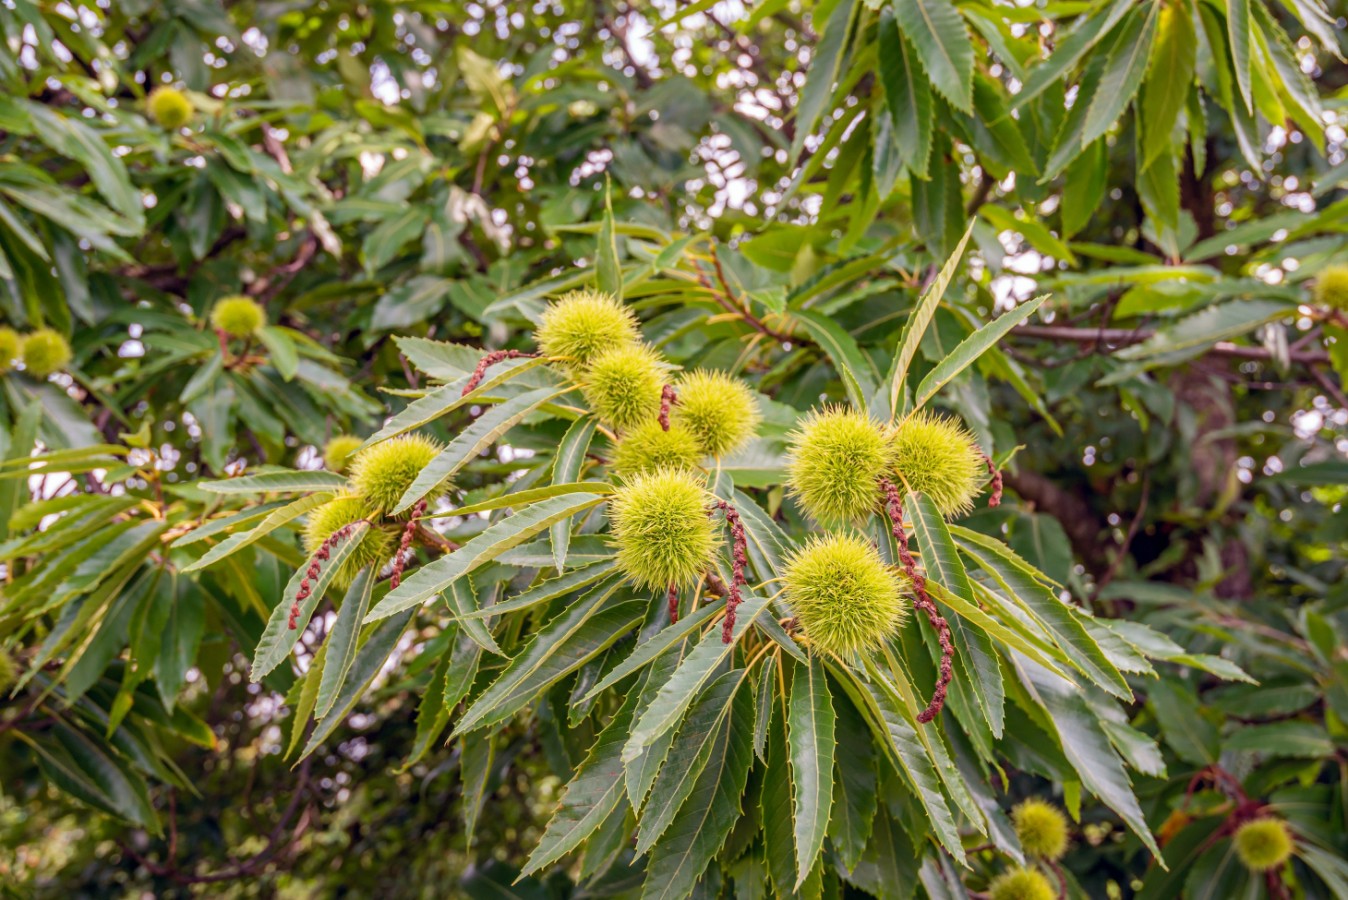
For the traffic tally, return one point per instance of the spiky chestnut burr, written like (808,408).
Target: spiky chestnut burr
(936,456)
(648,447)
(720,411)
(1042,829)
(45,352)
(237,316)
(623,385)
(1263,844)
(836,457)
(338,450)
(169,107)
(382,472)
(1021,884)
(583,324)
(661,530)
(845,599)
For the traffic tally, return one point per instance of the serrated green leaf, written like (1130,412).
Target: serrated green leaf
(274,520)
(576,636)
(484,431)
(341,642)
(810,732)
(710,812)
(1123,73)
(566,467)
(907,95)
(971,348)
(291,480)
(688,756)
(590,796)
(436,576)
(278,637)
(677,694)
(938,34)
(916,325)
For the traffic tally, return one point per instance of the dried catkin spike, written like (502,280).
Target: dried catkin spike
(923,602)
(326,520)
(739,559)
(486,363)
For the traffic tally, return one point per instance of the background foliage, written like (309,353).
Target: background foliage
(785,182)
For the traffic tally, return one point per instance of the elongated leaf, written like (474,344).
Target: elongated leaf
(1071,50)
(450,397)
(917,323)
(341,643)
(1123,72)
(521,499)
(677,694)
(975,656)
(482,433)
(655,646)
(688,756)
(566,467)
(512,531)
(274,520)
(1169,80)
(942,42)
(853,367)
(370,660)
(907,94)
(711,810)
(608,271)
(854,787)
(1087,747)
(818,90)
(547,590)
(1024,585)
(590,796)
(1238,33)
(576,636)
(971,348)
(278,637)
(1216,323)
(810,721)
(910,757)
(292,480)
(775,805)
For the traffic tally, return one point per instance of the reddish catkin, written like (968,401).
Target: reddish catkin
(487,362)
(673,597)
(739,560)
(996,498)
(311,574)
(669,398)
(923,602)
(404,546)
